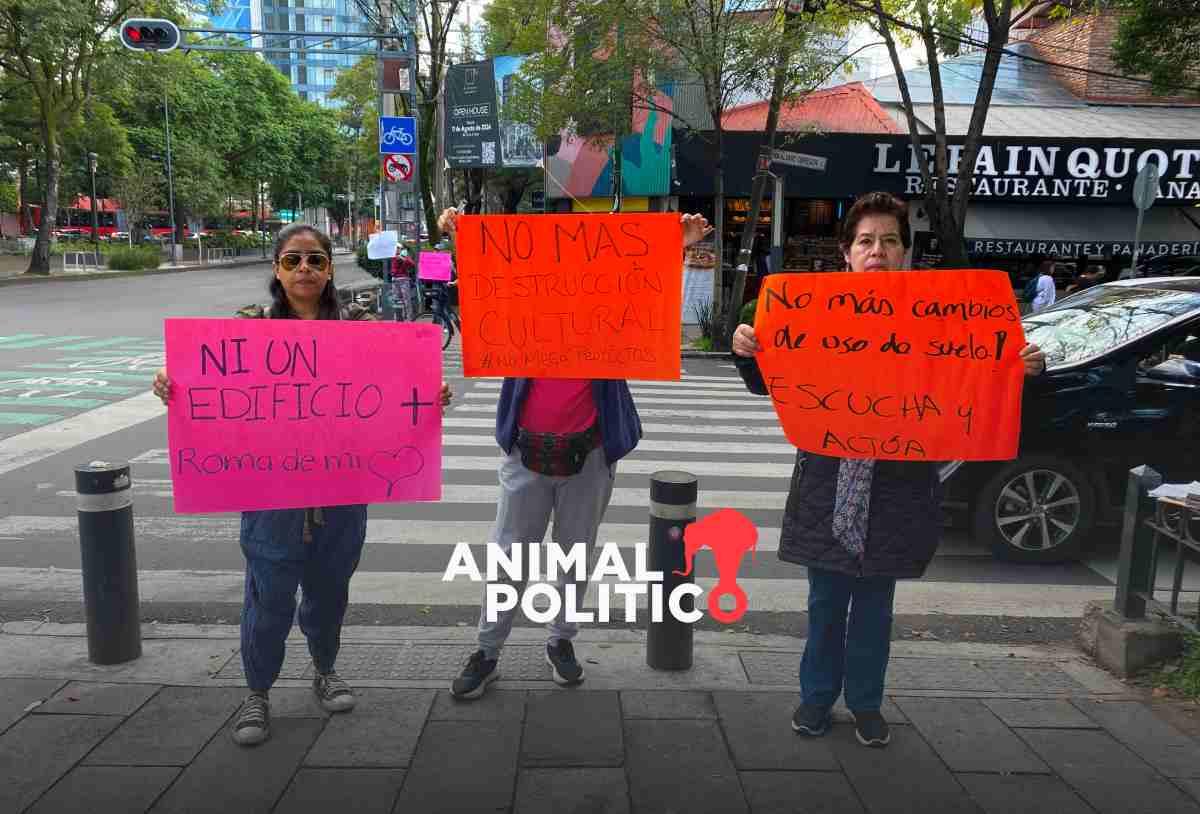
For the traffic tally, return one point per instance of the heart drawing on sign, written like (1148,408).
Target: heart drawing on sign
(394,465)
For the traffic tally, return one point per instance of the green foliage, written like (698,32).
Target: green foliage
(136,258)
(1184,676)
(704,343)
(8,197)
(61,247)
(1158,38)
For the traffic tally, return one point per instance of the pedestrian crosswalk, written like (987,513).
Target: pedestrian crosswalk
(708,425)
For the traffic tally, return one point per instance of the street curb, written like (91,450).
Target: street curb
(26,279)
(692,353)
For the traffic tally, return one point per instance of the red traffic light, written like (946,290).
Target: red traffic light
(150,35)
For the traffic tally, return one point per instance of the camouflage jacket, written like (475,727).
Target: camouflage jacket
(353,311)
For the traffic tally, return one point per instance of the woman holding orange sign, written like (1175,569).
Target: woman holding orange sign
(561,439)
(858,525)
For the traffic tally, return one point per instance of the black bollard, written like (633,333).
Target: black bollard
(672,508)
(104,494)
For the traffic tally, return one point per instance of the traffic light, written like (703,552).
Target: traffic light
(150,35)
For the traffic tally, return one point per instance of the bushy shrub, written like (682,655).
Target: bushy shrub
(747,315)
(134,259)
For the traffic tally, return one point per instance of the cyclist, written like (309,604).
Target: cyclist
(402,275)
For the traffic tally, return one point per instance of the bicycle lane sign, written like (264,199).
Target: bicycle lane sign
(397,134)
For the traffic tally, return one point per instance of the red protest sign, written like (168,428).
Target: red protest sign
(900,365)
(571,296)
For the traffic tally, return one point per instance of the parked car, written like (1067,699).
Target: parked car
(1122,389)
(1166,266)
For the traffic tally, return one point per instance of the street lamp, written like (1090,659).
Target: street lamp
(95,223)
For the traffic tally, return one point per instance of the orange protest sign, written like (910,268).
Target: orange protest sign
(571,296)
(902,365)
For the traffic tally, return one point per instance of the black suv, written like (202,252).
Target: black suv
(1122,389)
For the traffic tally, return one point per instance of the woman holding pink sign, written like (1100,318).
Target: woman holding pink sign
(857,524)
(317,549)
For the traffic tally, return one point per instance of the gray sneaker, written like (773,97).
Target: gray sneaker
(334,694)
(253,723)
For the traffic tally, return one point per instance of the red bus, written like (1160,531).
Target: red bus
(76,219)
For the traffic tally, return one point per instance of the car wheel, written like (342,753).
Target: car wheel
(1038,509)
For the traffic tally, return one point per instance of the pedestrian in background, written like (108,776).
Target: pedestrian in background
(316,550)
(858,525)
(1045,291)
(561,439)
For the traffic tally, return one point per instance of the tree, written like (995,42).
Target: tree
(141,190)
(357,91)
(436,19)
(8,201)
(1159,39)
(55,47)
(941,29)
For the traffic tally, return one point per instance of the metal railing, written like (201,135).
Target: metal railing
(221,255)
(1149,523)
(81,261)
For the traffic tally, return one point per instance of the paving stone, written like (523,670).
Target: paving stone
(1154,740)
(667,704)
(800,793)
(495,705)
(1028,794)
(1028,712)
(466,766)
(905,778)
(969,737)
(228,777)
(572,728)
(680,766)
(554,791)
(1136,791)
(938,674)
(360,791)
(1073,750)
(93,698)
(381,731)
(16,694)
(759,730)
(891,713)
(93,789)
(39,749)
(296,702)
(171,728)
(1192,787)
(1018,675)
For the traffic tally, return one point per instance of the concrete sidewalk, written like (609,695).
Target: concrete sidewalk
(978,728)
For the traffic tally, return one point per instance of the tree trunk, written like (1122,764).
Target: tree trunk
(39,261)
(24,204)
(718,223)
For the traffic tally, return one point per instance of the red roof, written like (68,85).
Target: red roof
(846,108)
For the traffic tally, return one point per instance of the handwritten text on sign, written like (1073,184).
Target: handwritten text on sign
(571,296)
(285,414)
(902,365)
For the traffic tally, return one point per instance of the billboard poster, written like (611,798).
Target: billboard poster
(472,126)
(519,146)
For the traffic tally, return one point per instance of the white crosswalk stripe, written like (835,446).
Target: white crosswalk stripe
(707,425)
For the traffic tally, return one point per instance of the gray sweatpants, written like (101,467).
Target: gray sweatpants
(527,500)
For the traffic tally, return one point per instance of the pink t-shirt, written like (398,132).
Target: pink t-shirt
(558,405)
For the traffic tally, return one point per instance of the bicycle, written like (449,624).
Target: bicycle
(397,135)
(443,313)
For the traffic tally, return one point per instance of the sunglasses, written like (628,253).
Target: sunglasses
(317,261)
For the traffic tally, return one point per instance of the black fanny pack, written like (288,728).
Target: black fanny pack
(560,456)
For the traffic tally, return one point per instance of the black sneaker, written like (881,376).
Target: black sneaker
(871,729)
(811,721)
(333,693)
(253,723)
(473,681)
(561,656)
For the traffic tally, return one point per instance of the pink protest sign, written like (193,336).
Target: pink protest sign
(435,266)
(289,414)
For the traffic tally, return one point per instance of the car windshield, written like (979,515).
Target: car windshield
(1101,318)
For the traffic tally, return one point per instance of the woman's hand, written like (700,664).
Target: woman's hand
(745,343)
(444,397)
(448,221)
(1034,359)
(162,385)
(695,228)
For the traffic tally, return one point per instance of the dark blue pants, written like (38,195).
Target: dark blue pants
(278,561)
(849,639)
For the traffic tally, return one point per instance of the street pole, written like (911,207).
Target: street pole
(95,222)
(170,175)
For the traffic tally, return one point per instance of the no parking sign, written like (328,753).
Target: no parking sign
(398,167)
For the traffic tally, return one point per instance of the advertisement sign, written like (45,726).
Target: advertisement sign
(472,126)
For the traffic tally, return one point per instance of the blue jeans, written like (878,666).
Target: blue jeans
(849,639)
(278,561)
